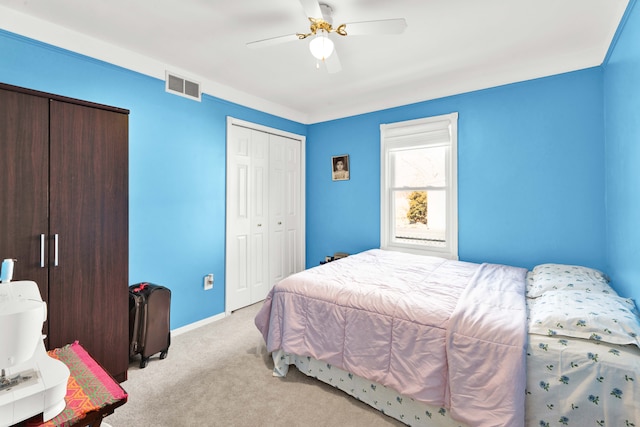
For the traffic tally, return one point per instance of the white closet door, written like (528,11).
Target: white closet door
(259,193)
(265,211)
(293,252)
(247,217)
(284,208)
(238,219)
(277,208)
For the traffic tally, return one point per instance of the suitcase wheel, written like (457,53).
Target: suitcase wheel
(143,362)
(164,354)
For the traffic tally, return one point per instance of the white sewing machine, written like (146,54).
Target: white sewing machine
(31,382)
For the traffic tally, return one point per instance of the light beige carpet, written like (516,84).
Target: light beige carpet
(220,375)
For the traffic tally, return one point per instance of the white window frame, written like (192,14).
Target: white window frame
(429,131)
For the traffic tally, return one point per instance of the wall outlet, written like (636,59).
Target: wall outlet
(208,282)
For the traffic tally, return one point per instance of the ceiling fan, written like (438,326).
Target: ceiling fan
(321,46)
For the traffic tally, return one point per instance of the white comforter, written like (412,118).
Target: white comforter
(444,332)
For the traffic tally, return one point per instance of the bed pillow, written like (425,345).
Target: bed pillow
(588,315)
(529,283)
(555,277)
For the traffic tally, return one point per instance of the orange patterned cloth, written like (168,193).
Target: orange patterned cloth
(89,387)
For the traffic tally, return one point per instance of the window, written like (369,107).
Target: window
(419,197)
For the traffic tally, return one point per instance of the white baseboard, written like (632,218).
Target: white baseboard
(198,324)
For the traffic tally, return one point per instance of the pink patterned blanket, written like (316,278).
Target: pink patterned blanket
(444,332)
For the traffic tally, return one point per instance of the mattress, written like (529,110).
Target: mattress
(582,358)
(386,400)
(443,332)
(572,382)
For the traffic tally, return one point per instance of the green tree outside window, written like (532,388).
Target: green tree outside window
(417,212)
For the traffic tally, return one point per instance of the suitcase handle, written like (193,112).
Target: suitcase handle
(141,287)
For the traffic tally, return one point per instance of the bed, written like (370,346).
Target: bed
(436,342)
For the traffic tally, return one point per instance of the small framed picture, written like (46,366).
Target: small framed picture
(340,167)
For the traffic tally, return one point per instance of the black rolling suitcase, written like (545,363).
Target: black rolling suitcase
(149,333)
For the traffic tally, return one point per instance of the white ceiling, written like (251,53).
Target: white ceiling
(449,46)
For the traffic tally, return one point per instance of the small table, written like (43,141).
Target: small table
(92,393)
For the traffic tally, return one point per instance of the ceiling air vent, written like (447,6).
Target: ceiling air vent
(183,87)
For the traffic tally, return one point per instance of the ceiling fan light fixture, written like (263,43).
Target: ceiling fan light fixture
(321,45)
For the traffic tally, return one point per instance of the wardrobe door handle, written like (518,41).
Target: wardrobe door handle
(55,253)
(42,251)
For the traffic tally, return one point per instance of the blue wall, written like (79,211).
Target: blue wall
(622,142)
(530,174)
(176,166)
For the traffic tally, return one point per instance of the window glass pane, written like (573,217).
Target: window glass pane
(420,217)
(419,167)
(418,211)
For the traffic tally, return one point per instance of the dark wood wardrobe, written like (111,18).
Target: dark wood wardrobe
(64,216)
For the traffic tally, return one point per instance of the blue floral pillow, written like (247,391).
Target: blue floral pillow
(555,277)
(582,314)
(529,282)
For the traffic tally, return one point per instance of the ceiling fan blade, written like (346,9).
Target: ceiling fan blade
(384,26)
(311,8)
(273,41)
(333,63)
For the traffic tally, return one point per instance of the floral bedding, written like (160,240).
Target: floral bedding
(571,382)
(582,355)
(578,382)
(583,358)
(554,277)
(580,314)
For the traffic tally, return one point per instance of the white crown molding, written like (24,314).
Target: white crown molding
(46,32)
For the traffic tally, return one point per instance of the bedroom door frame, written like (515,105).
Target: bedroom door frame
(230,198)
